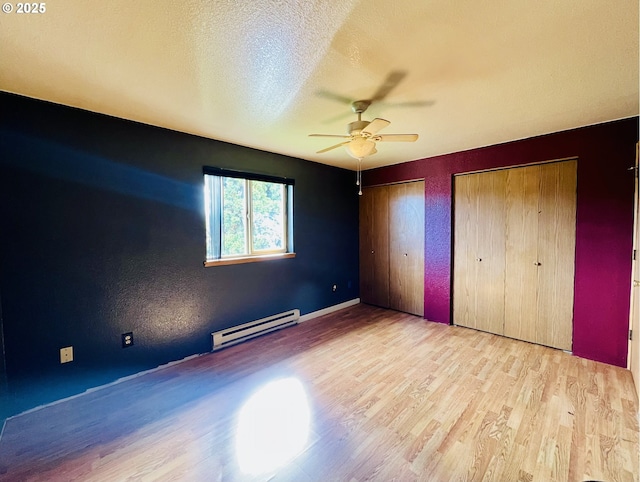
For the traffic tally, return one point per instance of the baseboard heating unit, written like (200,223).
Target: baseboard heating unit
(240,333)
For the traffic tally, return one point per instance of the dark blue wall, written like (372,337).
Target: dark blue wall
(102,232)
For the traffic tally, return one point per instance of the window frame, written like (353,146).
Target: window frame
(213,192)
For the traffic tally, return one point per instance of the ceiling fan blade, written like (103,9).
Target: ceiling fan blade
(415,103)
(332,147)
(393,79)
(397,138)
(375,125)
(333,96)
(330,135)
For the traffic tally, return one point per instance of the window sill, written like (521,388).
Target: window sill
(247,259)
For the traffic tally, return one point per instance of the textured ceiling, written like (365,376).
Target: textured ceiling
(267,73)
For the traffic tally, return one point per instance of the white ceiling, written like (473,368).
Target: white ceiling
(266,73)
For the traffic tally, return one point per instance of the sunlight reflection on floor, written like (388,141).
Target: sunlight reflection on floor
(273,426)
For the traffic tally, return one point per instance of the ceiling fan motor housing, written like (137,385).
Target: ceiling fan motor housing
(355,127)
(359,106)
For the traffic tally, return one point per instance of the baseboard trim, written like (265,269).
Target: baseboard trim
(329,309)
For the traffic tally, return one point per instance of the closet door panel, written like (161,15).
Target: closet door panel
(479,251)
(366,246)
(406,247)
(490,251)
(556,254)
(374,246)
(521,271)
(465,266)
(381,246)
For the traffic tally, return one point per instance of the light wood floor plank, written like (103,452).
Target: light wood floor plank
(392,397)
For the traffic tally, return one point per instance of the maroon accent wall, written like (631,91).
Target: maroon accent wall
(604,230)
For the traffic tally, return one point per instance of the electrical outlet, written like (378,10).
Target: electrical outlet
(127,339)
(334,288)
(66,354)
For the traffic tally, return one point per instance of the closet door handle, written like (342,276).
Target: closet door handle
(478,259)
(537,263)
(406,254)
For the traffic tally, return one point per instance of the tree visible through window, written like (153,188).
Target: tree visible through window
(247,215)
(234,217)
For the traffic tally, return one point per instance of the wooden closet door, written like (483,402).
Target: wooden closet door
(406,247)
(465,237)
(374,246)
(490,256)
(479,250)
(514,252)
(521,270)
(556,254)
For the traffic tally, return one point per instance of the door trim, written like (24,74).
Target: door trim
(633,351)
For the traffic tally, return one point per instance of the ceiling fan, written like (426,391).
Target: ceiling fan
(363,135)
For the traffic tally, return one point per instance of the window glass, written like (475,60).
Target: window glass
(267,215)
(234,217)
(247,216)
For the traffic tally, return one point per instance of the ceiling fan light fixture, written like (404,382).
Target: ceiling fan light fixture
(360,147)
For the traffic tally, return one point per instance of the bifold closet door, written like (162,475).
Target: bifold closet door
(556,254)
(464,252)
(392,246)
(406,247)
(514,252)
(540,265)
(374,246)
(521,270)
(479,250)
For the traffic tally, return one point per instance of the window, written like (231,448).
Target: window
(249,217)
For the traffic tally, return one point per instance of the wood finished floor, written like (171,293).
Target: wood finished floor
(392,397)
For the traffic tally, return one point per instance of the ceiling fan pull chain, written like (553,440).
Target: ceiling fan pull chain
(359,176)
